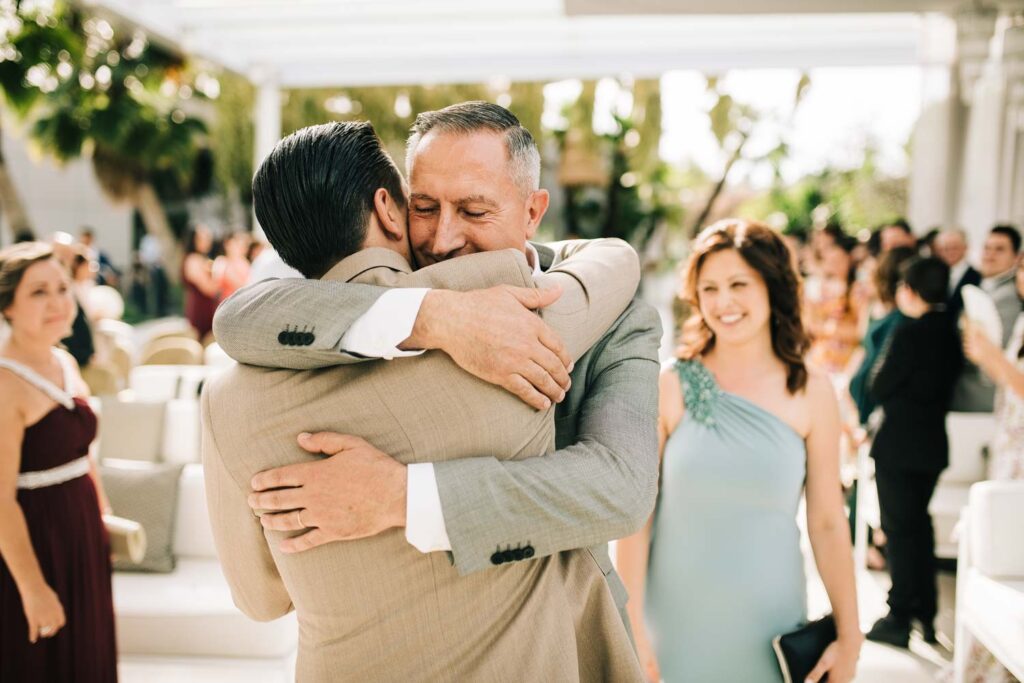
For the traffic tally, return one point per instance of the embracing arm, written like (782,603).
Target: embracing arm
(248,325)
(256,585)
(598,279)
(600,488)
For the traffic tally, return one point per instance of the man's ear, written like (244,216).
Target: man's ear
(536,207)
(390,216)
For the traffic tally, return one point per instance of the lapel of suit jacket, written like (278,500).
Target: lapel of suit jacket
(359,265)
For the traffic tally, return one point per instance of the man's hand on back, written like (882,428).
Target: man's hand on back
(495,335)
(356,492)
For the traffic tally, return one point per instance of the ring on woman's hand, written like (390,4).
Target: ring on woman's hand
(45,630)
(298,515)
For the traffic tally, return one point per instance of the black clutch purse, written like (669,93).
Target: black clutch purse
(799,651)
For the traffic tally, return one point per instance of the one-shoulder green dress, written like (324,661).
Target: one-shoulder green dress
(726,573)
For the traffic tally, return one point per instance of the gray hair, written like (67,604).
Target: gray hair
(472,117)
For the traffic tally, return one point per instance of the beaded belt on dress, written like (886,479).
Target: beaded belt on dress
(55,475)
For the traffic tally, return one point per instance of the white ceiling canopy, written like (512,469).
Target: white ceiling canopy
(330,43)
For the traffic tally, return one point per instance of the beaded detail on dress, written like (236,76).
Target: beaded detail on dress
(700,390)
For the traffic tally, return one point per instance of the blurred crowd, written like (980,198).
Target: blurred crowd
(851,310)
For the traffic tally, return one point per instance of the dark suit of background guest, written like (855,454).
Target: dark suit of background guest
(914,386)
(956,297)
(80,344)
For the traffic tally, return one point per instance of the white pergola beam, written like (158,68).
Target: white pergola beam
(668,7)
(328,43)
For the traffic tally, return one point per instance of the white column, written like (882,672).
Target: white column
(1011,178)
(938,134)
(982,88)
(267,123)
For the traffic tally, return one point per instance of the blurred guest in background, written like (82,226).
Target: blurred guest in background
(106,273)
(884,318)
(202,293)
(83,279)
(268,264)
(1006,369)
(56,609)
(153,276)
(897,234)
(999,260)
(833,320)
(914,386)
(975,393)
(231,271)
(80,342)
(951,247)
(744,426)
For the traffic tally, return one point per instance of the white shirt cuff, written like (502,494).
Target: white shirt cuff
(424,520)
(386,324)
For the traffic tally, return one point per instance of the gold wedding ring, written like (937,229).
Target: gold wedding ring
(45,630)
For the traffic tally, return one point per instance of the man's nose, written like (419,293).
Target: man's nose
(449,236)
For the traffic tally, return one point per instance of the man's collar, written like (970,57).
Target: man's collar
(350,268)
(958,270)
(533,258)
(1000,279)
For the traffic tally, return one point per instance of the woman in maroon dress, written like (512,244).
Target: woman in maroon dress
(202,293)
(56,608)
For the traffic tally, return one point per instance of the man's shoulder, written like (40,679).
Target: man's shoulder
(639,316)
(636,332)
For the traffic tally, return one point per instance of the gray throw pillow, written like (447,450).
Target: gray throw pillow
(131,430)
(148,494)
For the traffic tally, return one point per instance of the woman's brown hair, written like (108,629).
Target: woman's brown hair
(767,253)
(14,261)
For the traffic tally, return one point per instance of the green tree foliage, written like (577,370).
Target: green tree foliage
(88,90)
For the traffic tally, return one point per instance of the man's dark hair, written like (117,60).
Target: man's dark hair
(929,277)
(1012,233)
(889,272)
(900,223)
(472,117)
(313,194)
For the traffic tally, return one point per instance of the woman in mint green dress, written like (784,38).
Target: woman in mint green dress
(745,431)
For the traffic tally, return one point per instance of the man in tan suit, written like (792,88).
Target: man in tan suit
(376,608)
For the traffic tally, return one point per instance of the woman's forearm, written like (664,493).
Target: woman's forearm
(1004,373)
(16,547)
(833,556)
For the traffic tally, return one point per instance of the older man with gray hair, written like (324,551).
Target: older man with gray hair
(951,248)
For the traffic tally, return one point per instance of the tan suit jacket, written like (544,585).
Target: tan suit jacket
(377,609)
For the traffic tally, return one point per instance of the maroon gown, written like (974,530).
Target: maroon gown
(199,308)
(71,543)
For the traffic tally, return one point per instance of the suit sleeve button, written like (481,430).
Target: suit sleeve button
(282,338)
(310,338)
(519,553)
(528,552)
(497,558)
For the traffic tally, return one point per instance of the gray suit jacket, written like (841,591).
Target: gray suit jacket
(975,392)
(377,609)
(599,486)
